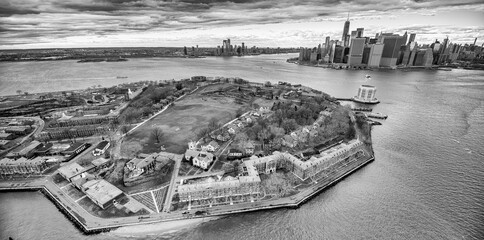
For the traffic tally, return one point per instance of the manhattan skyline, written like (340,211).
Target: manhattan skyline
(123,23)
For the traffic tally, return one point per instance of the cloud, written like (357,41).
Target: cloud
(111,19)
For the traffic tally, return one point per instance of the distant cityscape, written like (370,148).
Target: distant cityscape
(389,50)
(117,54)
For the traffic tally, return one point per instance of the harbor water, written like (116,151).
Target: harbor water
(427,180)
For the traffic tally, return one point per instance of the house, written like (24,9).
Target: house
(234,154)
(138,166)
(203,160)
(190,154)
(192,145)
(240,124)
(101,148)
(232,129)
(200,159)
(44,150)
(249,148)
(212,146)
(223,137)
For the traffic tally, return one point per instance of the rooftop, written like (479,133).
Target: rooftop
(101,191)
(71,170)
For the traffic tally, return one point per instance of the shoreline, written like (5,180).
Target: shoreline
(292,202)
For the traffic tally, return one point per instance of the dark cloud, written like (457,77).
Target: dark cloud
(61,18)
(7,10)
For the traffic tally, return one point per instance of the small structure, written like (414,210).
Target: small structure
(138,166)
(101,148)
(212,146)
(74,150)
(200,159)
(101,192)
(234,154)
(249,148)
(71,171)
(100,163)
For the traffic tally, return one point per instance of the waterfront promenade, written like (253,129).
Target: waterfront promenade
(91,224)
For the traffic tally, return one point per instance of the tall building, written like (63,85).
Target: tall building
(338,54)
(375,55)
(346,29)
(412,38)
(359,32)
(356,51)
(366,54)
(391,49)
(243,48)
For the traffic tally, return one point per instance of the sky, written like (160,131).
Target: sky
(264,23)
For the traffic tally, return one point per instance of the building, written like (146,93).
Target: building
(356,51)
(391,48)
(27,151)
(376,51)
(71,171)
(101,192)
(101,148)
(138,166)
(366,93)
(346,29)
(19,130)
(23,165)
(7,136)
(75,149)
(100,163)
(200,159)
(234,154)
(212,146)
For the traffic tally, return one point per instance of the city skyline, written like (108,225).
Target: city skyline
(124,23)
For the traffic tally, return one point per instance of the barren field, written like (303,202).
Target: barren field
(181,122)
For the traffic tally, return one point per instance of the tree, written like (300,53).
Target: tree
(157,134)
(268,84)
(213,124)
(19,92)
(239,112)
(124,129)
(179,86)
(203,133)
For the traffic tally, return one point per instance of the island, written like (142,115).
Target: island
(157,151)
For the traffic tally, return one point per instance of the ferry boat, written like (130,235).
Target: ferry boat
(366,95)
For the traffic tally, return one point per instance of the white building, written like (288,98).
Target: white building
(366,94)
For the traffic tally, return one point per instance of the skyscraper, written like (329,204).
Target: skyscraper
(346,29)
(412,38)
(375,55)
(391,49)
(359,32)
(356,51)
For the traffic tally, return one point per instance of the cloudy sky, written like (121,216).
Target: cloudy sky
(265,23)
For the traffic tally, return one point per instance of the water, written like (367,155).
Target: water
(427,181)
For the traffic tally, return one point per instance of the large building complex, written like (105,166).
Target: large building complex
(248,183)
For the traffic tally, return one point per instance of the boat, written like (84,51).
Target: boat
(367,76)
(376,115)
(121,77)
(366,95)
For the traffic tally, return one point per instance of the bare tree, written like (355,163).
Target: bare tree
(157,134)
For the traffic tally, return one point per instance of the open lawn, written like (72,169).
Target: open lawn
(181,122)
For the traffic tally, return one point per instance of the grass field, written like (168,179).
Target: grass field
(181,122)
